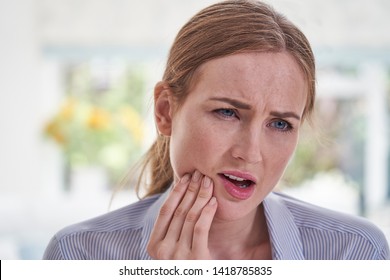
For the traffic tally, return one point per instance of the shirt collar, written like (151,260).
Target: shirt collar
(284,234)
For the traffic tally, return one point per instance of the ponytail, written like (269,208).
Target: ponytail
(161,173)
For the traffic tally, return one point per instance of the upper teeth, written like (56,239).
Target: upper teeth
(234,177)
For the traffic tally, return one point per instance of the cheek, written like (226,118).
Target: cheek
(281,153)
(278,148)
(192,147)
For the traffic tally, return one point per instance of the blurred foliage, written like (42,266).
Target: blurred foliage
(100,121)
(334,142)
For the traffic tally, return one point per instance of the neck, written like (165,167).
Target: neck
(246,238)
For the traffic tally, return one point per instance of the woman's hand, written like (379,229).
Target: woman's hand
(182,227)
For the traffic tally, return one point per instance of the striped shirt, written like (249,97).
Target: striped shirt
(297,230)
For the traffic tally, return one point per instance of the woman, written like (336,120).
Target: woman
(239,83)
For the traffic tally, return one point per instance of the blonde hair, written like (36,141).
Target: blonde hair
(225,28)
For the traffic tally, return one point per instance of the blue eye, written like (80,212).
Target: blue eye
(281,125)
(226,113)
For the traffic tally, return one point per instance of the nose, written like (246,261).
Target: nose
(248,146)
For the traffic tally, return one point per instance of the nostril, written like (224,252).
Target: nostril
(247,155)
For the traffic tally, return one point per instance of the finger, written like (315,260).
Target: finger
(168,208)
(202,227)
(176,224)
(203,197)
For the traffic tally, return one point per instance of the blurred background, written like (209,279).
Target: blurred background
(76,81)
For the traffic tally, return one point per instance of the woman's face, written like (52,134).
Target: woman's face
(239,125)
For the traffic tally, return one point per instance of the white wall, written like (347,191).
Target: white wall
(20,98)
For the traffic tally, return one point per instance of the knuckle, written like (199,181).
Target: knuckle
(204,194)
(193,188)
(177,189)
(180,211)
(181,256)
(181,252)
(191,217)
(165,210)
(161,252)
(199,229)
(151,250)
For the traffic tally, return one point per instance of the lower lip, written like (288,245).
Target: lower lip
(237,192)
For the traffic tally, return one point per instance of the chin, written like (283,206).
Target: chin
(232,210)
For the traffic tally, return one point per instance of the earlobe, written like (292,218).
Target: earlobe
(163,105)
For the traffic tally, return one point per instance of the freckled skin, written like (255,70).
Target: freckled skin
(204,140)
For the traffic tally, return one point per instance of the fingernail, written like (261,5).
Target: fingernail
(185,179)
(196,176)
(213,201)
(206,182)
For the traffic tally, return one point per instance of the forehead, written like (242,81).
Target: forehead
(276,64)
(250,75)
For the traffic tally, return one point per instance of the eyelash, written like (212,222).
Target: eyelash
(288,127)
(222,113)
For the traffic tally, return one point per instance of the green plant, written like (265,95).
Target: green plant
(100,127)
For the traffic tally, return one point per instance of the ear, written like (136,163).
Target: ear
(163,108)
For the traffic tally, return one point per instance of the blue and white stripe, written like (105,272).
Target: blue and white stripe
(315,233)
(297,230)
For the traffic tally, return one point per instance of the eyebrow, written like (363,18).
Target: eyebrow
(285,115)
(245,106)
(233,102)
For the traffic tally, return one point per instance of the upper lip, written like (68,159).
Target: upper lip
(241,174)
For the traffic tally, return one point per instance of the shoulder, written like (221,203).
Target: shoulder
(342,235)
(129,217)
(114,235)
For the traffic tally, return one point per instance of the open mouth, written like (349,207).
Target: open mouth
(242,183)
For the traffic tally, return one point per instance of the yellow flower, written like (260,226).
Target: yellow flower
(67,110)
(53,130)
(98,118)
